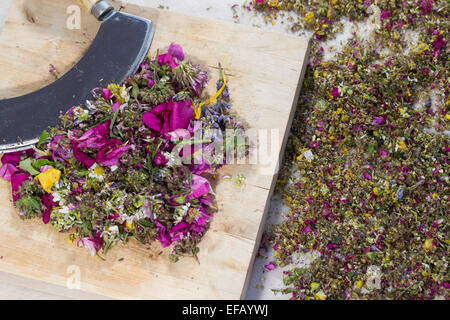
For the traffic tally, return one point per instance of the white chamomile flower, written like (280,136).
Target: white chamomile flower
(124,94)
(97,172)
(172,159)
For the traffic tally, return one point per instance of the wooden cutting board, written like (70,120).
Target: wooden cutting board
(264,71)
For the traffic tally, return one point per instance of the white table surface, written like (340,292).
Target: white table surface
(262,281)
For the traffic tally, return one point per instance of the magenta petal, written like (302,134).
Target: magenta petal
(159,109)
(45,168)
(367,175)
(151,83)
(176,51)
(7,170)
(200,167)
(88,243)
(167,59)
(179,230)
(81,157)
(270,266)
(94,138)
(115,106)
(152,121)
(12,158)
(335,93)
(377,121)
(106,94)
(159,159)
(60,148)
(16,181)
(200,186)
(383,153)
(180,134)
(163,237)
(47,200)
(165,120)
(111,153)
(181,116)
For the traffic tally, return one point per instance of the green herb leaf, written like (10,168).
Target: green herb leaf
(26,165)
(44,136)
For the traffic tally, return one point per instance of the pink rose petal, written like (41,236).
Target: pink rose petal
(270,266)
(167,58)
(200,186)
(110,154)
(7,170)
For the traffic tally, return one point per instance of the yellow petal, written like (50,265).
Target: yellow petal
(309,15)
(402,145)
(375,191)
(48,178)
(428,245)
(99,170)
(315,285)
(70,238)
(129,226)
(320,295)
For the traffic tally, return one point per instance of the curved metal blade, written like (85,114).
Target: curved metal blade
(120,46)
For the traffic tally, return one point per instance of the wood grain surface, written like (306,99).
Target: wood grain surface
(264,71)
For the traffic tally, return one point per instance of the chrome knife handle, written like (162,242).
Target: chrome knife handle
(98,8)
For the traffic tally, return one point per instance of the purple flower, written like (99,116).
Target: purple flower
(377,121)
(385,14)
(383,153)
(159,159)
(167,58)
(176,51)
(150,83)
(426,7)
(106,94)
(438,44)
(52,69)
(335,93)
(367,176)
(110,154)
(199,80)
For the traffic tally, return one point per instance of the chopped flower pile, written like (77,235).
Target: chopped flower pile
(113,170)
(370,144)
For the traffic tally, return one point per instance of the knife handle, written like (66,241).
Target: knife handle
(98,8)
